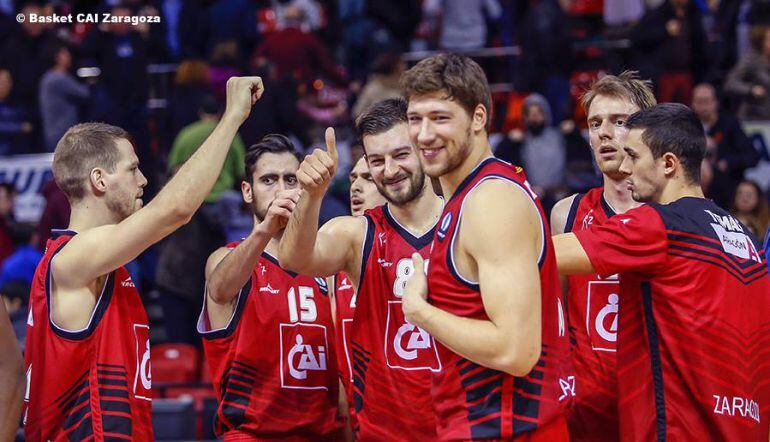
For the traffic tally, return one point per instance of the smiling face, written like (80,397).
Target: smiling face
(606,120)
(394,165)
(363,192)
(442,130)
(125,185)
(273,172)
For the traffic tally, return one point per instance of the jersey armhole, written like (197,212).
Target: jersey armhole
(96,314)
(204,326)
(366,249)
(573,208)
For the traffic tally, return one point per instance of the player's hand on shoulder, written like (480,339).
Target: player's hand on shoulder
(279,211)
(242,94)
(415,292)
(318,169)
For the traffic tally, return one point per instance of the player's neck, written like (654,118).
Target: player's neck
(617,195)
(420,215)
(451,180)
(87,215)
(678,189)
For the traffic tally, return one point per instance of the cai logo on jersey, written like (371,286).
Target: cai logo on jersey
(602,314)
(143,376)
(407,346)
(304,356)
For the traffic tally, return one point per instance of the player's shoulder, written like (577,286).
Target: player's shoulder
(560,212)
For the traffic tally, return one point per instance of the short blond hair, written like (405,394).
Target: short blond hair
(82,148)
(626,85)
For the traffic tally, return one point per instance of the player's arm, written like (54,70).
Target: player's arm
(559,215)
(101,250)
(304,249)
(508,273)
(12,381)
(227,271)
(571,258)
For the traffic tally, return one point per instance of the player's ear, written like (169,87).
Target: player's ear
(97,180)
(671,163)
(479,118)
(246,191)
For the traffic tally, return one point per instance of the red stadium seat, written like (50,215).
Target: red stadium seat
(175,363)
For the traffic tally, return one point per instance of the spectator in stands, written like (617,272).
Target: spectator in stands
(540,148)
(232,20)
(14,120)
(56,213)
(7,221)
(224,64)
(14,295)
(182,24)
(730,150)
(750,206)
(191,83)
(464,22)
(382,82)
(296,53)
(671,48)
(60,96)
(750,78)
(312,13)
(395,22)
(183,255)
(546,60)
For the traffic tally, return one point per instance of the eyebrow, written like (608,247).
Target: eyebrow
(600,116)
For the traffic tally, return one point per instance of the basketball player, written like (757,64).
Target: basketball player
(267,332)
(363,196)
(694,293)
(494,301)
(392,359)
(593,300)
(11,378)
(88,348)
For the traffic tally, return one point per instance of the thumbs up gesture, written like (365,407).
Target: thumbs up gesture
(318,169)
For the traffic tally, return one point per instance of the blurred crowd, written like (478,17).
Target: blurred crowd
(323,62)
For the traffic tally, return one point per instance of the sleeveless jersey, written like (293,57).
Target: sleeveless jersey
(93,383)
(694,332)
(345,302)
(273,366)
(592,308)
(392,359)
(475,402)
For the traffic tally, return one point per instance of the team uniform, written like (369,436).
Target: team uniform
(345,303)
(273,366)
(592,308)
(392,359)
(93,383)
(475,402)
(694,328)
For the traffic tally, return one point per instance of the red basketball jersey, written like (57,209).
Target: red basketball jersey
(345,302)
(475,402)
(694,331)
(94,383)
(592,308)
(273,366)
(392,359)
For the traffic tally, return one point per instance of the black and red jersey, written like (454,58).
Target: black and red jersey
(592,308)
(345,303)
(476,402)
(94,383)
(694,333)
(392,359)
(273,366)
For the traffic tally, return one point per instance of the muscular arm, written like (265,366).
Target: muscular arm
(12,381)
(559,215)
(306,249)
(571,258)
(101,250)
(508,275)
